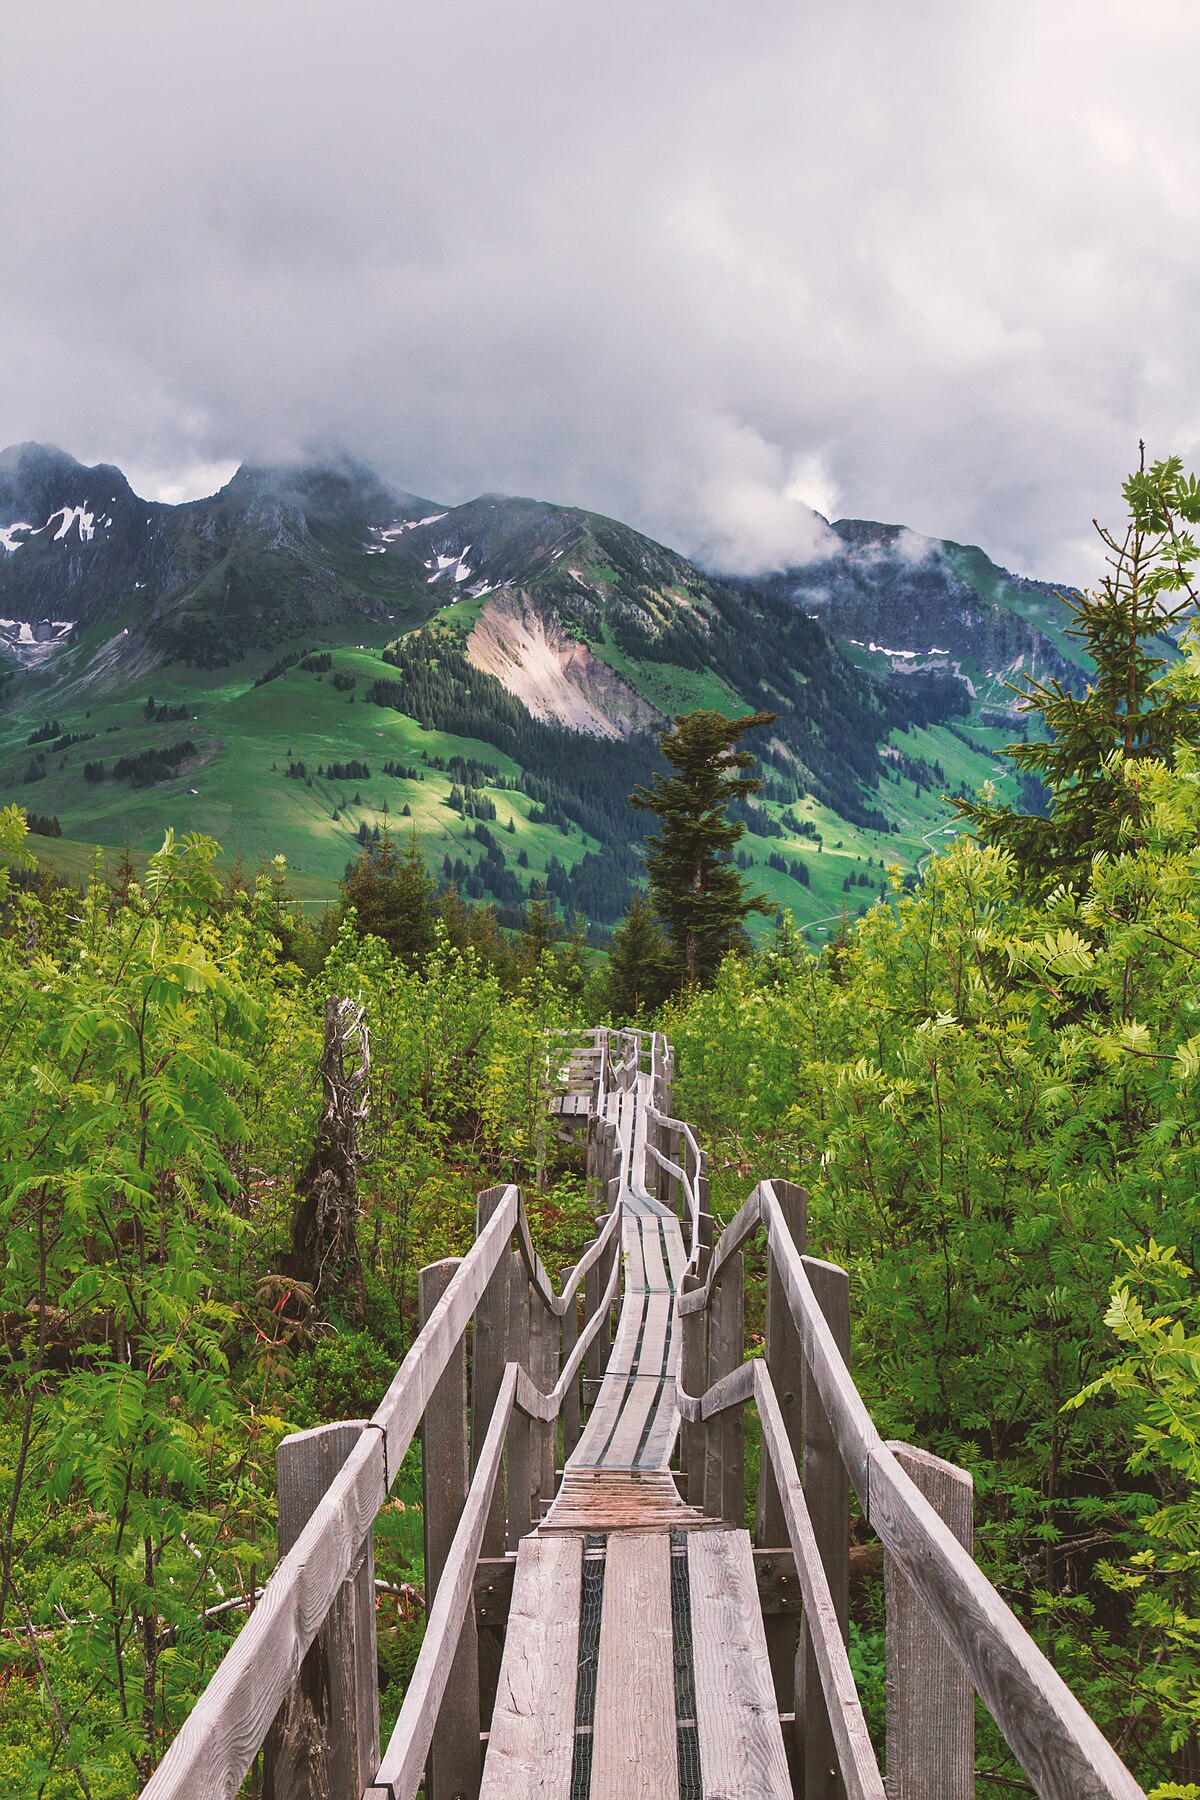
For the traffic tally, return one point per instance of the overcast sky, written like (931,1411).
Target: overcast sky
(691,262)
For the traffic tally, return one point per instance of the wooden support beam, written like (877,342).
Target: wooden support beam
(827,1493)
(488,1352)
(325,1739)
(543,1370)
(694,1376)
(724,1474)
(785,1364)
(452,1771)
(930,1698)
(521,1476)
(571,1417)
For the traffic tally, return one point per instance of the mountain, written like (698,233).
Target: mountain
(273,553)
(341,652)
(908,604)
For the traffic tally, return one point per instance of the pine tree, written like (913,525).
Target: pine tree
(1087,766)
(695,888)
(393,897)
(542,930)
(638,977)
(126,873)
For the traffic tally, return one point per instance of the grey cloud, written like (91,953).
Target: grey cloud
(703,266)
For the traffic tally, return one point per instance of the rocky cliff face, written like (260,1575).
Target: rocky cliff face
(524,644)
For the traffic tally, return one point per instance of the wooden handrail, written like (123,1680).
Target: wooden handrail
(857,1762)
(402,1763)
(221,1736)
(546,1407)
(1059,1746)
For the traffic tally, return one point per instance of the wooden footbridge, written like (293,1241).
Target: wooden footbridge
(606,1627)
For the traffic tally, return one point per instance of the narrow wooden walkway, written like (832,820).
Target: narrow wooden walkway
(635,1662)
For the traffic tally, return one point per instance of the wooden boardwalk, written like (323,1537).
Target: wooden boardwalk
(611,1632)
(625,1590)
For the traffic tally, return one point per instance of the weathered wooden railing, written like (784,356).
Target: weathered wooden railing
(300,1682)
(301,1679)
(948,1630)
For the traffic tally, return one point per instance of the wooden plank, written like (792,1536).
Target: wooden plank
(640,1395)
(326,1734)
(634,1753)
(827,1495)
(532,1737)
(741,1749)
(400,1769)
(619,1500)
(1062,1751)
(454,1764)
(785,1361)
(853,1754)
(930,1701)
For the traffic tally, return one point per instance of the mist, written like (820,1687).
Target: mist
(702,267)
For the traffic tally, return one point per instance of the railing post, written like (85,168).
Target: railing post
(724,1473)
(453,1768)
(693,1373)
(785,1365)
(593,1289)
(325,1737)
(570,1406)
(827,1492)
(488,1355)
(704,1220)
(543,1368)
(930,1698)
(522,1471)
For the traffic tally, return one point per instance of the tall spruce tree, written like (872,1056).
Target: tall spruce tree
(1088,762)
(695,889)
(393,897)
(638,977)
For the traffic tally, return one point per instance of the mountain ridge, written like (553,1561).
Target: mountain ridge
(310,619)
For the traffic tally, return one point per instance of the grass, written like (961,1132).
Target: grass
(236,789)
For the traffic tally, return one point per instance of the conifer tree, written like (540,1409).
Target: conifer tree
(542,930)
(393,897)
(695,888)
(1126,716)
(639,972)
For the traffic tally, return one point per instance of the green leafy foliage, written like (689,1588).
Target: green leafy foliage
(157,1049)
